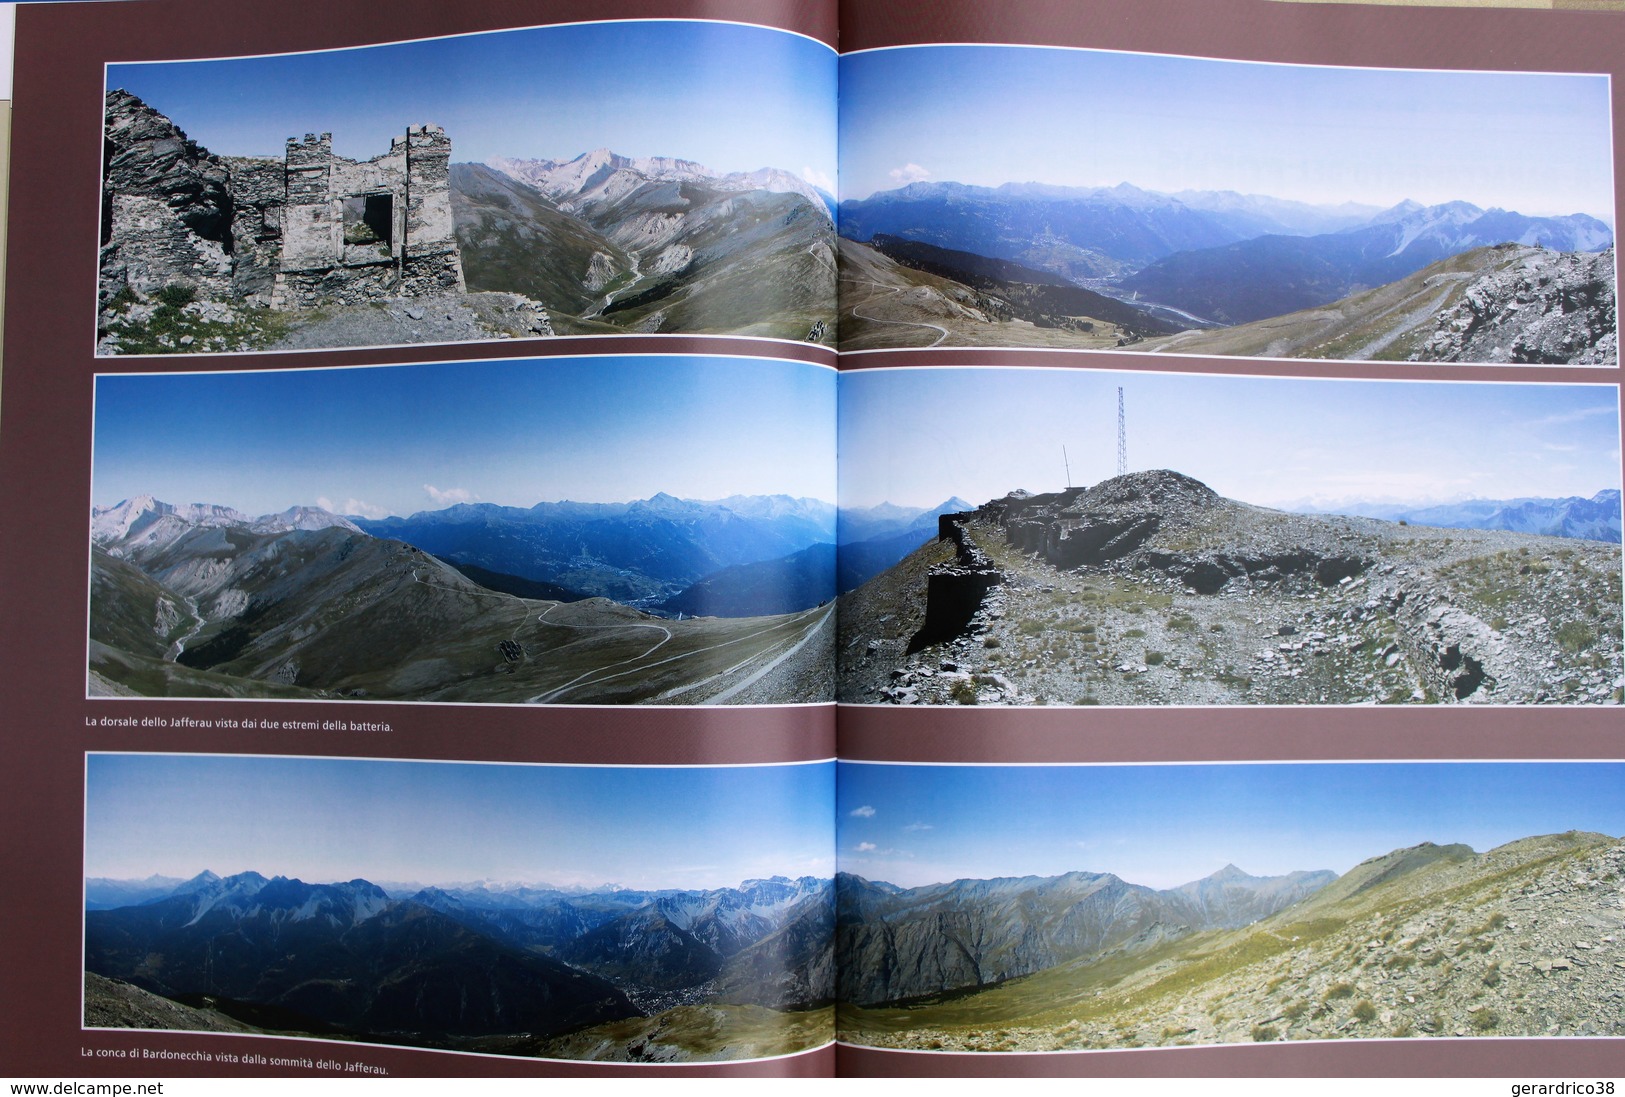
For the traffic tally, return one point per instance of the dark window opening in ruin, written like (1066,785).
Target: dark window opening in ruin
(369,219)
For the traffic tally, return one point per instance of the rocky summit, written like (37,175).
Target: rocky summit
(1150,588)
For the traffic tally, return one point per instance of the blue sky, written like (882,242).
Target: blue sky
(919,436)
(399,439)
(988,115)
(1167,825)
(322,820)
(734,98)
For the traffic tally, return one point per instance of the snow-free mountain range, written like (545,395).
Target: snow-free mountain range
(1211,259)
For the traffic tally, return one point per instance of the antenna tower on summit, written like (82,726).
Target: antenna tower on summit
(1122,436)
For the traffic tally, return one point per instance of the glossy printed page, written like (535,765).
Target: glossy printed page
(560,531)
(1186,205)
(1260,540)
(438,460)
(521,911)
(515,184)
(1160,906)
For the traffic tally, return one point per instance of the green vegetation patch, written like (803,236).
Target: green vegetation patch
(174,326)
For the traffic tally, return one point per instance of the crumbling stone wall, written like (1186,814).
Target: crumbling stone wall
(256,227)
(307,230)
(354,231)
(954,591)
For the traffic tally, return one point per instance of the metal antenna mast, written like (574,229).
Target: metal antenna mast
(1068,465)
(1122,436)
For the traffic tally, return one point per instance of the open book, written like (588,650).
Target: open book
(629,539)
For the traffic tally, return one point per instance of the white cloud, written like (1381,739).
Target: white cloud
(909,173)
(919,826)
(819,179)
(447,496)
(864,812)
(352,506)
(866,847)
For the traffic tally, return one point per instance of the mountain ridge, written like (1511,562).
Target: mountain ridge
(901,944)
(434,970)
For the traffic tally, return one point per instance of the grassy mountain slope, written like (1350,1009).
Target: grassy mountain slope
(514,239)
(885,304)
(1432,941)
(334,613)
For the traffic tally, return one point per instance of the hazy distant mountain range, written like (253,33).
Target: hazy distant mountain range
(444,964)
(643,550)
(872,539)
(640,552)
(1595,519)
(1193,259)
(1103,232)
(1431,940)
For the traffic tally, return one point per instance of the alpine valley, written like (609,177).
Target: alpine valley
(659,600)
(607,974)
(1216,272)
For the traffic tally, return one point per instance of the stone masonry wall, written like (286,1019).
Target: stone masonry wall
(309,229)
(354,231)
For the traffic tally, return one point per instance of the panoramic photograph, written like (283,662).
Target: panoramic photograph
(551,912)
(617,530)
(1062,908)
(507,185)
(1078,537)
(1179,205)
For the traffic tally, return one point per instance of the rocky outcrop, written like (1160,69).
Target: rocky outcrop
(167,206)
(1546,307)
(193,242)
(1117,523)
(1152,589)
(1157,520)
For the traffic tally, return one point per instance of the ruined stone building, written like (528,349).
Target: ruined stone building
(310,230)
(381,227)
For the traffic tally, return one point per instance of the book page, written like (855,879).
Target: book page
(428,427)
(1230,637)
